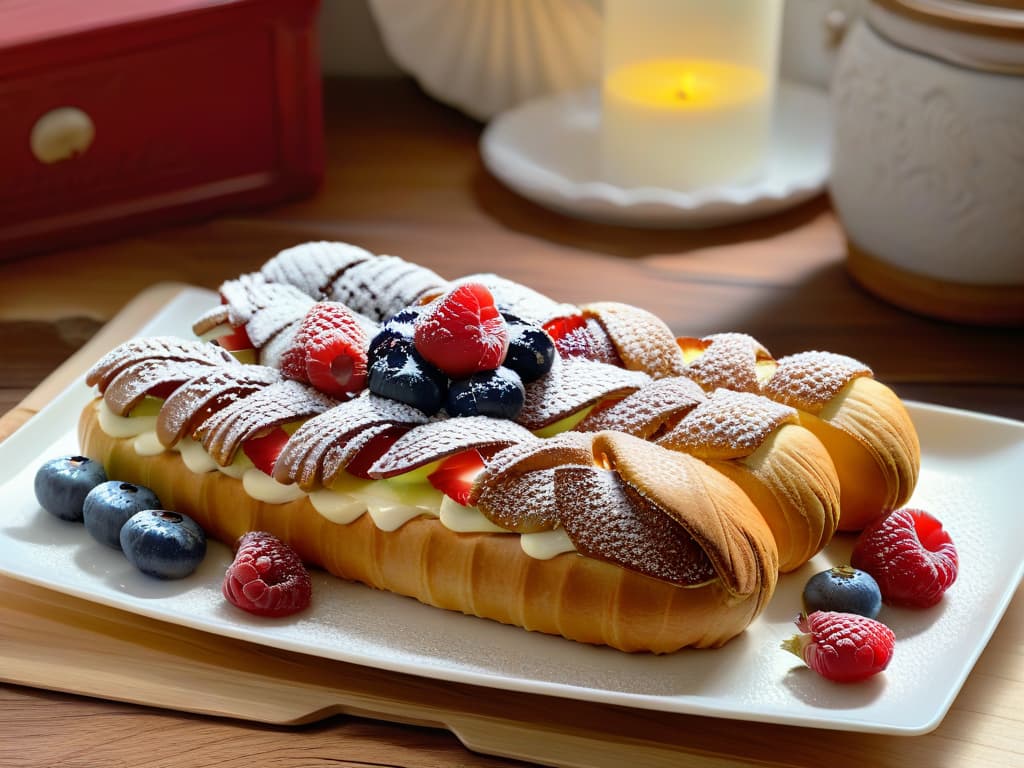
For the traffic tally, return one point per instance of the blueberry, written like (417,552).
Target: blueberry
(163,544)
(398,328)
(531,352)
(109,505)
(498,393)
(400,373)
(845,589)
(62,484)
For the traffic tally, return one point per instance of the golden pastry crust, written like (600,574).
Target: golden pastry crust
(485,574)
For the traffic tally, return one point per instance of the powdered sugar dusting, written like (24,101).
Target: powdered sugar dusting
(155,348)
(438,439)
(642,340)
(223,433)
(521,503)
(311,267)
(210,319)
(521,301)
(129,387)
(530,455)
(809,380)
(729,361)
(380,287)
(727,425)
(571,385)
(644,413)
(339,431)
(194,401)
(608,521)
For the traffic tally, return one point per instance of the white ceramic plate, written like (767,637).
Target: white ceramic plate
(970,467)
(547,151)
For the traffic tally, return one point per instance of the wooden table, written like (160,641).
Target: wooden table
(404,177)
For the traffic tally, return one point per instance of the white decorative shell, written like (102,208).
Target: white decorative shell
(486,56)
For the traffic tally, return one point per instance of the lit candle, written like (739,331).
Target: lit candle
(687,91)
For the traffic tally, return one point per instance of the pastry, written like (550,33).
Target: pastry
(622,500)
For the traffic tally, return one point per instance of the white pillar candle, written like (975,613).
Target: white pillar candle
(688,88)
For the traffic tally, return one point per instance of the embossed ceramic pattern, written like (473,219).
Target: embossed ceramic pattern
(928,162)
(484,56)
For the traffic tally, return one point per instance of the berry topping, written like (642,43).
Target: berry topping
(454,478)
(531,352)
(62,484)
(163,544)
(109,505)
(910,555)
(329,350)
(267,577)
(462,332)
(842,647)
(579,336)
(376,447)
(263,450)
(498,393)
(400,373)
(844,589)
(398,328)
(236,340)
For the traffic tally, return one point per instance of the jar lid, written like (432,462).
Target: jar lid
(986,35)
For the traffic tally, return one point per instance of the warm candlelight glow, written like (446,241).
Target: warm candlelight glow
(682,84)
(687,91)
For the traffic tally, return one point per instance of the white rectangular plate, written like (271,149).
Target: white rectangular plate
(971,464)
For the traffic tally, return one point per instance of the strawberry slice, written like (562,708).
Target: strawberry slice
(263,450)
(373,450)
(329,351)
(579,336)
(462,332)
(454,478)
(236,341)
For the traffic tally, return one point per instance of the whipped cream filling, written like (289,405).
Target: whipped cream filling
(380,499)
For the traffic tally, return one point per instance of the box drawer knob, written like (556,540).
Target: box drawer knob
(61,134)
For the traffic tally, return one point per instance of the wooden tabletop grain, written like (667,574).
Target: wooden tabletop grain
(405,177)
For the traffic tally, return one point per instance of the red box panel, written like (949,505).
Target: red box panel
(209,108)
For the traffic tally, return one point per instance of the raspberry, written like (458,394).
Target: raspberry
(267,577)
(910,556)
(329,351)
(842,647)
(462,332)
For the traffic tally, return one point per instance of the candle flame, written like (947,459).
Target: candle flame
(687,85)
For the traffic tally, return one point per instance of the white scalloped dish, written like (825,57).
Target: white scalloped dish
(967,460)
(547,151)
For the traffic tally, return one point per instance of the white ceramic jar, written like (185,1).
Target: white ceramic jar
(928,159)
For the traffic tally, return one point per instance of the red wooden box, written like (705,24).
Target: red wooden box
(121,114)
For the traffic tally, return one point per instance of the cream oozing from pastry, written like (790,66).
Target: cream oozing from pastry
(382,504)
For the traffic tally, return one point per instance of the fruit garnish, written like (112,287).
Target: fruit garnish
(378,445)
(910,555)
(498,393)
(163,544)
(579,336)
(267,577)
(401,373)
(844,589)
(400,327)
(454,478)
(329,351)
(842,647)
(109,505)
(62,484)
(263,450)
(235,340)
(462,332)
(531,352)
